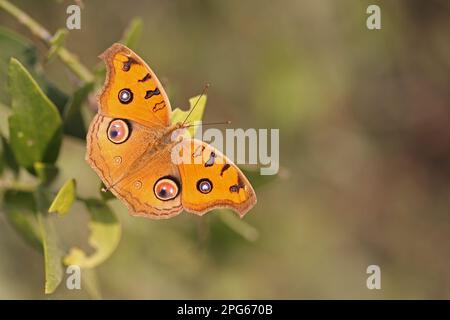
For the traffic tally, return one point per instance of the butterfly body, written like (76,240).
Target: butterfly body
(131,145)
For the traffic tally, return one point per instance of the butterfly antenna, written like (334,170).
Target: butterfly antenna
(196,102)
(207,124)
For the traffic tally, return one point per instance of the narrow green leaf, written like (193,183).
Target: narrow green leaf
(52,252)
(35,124)
(179,115)
(20,209)
(132,33)
(57,42)
(104,236)
(238,225)
(64,199)
(74,123)
(52,255)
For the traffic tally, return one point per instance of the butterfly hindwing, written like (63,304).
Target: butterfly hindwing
(111,158)
(210,180)
(129,167)
(139,188)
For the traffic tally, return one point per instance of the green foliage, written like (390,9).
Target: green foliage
(132,33)
(64,199)
(2,157)
(178,115)
(74,123)
(52,253)
(40,113)
(20,208)
(7,157)
(51,246)
(45,172)
(16,46)
(104,236)
(239,226)
(25,211)
(35,126)
(40,116)
(57,42)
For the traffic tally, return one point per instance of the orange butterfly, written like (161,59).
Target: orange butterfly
(129,145)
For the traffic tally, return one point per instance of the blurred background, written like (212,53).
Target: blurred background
(364,119)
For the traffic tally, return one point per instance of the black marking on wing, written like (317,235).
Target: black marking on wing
(224,168)
(127,64)
(147,77)
(159,106)
(239,185)
(210,161)
(151,93)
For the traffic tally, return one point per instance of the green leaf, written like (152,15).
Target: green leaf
(46,172)
(179,115)
(5,112)
(13,45)
(52,255)
(58,97)
(104,236)
(35,124)
(8,157)
(57,42)
(64,199)
(20,209)
(52,252)
(74,123)
(132,33)
(2,156)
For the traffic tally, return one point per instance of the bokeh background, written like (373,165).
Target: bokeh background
(364,119)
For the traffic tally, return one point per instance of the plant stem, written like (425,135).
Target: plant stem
(74,64)
(26,20)
(17,186)
(38,30)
